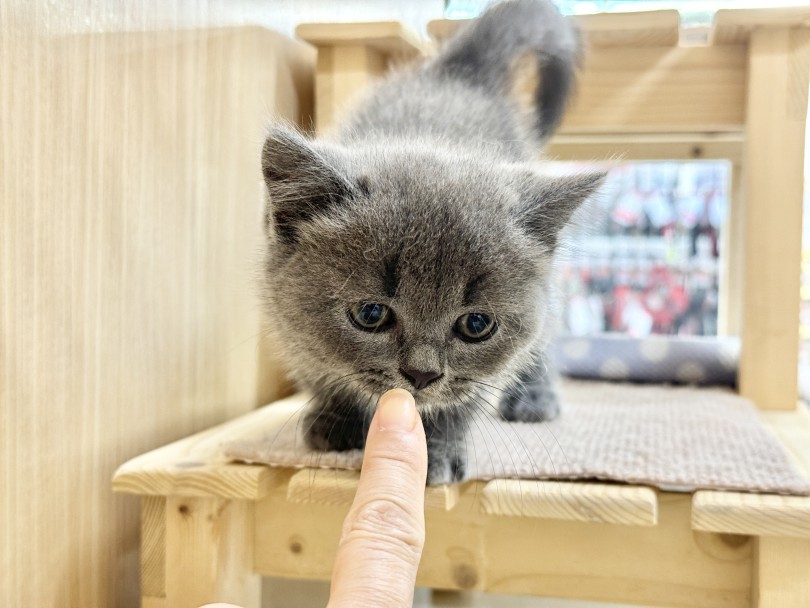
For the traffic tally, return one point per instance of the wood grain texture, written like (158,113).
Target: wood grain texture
(390,38)
(781,573)
(633,30)
(667,564)
(753,514)
(734,26)
(209,553)
(129,226)
(572,501)
(763,514)
(660,89)
(338,487)
(779,63)
(153,546)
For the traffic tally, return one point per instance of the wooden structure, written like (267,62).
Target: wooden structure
(130,217)
(209,528)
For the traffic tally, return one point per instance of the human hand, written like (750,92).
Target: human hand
(384,532)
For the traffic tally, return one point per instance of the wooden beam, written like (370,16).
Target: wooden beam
(646,146)
(660,89)
(341,73)
(571,501)
(338,487)
(779,65)
(752,514)
(782,573)
(468,549)
(209,553)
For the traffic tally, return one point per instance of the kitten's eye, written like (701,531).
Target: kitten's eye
(369,316)
(475,327)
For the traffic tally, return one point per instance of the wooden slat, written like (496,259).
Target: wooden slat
(468,549)
(640,29)
(734,26)
(660,89)
(390,38)
(774,189)
(646,146)
(758,514)
(572,501)
(336,487)
(209,553)
(153,547)
(194,466)
(754,514)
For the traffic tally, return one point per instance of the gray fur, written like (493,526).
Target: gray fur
(428,196)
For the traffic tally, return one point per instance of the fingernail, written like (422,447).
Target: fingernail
(397,411)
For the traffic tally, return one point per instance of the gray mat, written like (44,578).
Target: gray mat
(674,438)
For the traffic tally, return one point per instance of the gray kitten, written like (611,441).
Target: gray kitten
(414,248)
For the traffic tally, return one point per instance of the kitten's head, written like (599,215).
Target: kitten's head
(407,267)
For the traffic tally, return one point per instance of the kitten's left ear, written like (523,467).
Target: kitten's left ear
(301,182)
(549,202)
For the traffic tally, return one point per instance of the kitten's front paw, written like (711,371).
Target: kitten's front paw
(328,430)
(538,403)
(445,466)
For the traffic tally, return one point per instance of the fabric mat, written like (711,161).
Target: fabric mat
(674,438)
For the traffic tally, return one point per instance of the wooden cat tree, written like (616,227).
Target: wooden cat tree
(210,529)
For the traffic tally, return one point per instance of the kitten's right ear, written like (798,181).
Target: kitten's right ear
(300,182)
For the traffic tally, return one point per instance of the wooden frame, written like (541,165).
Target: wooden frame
(742,98)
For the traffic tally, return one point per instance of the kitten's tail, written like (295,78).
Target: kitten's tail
(485,52)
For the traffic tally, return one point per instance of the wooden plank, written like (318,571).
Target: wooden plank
(753,514)
(729,314)
(572,501)
(782,573)
(646,146)
(468,549)
(734,26)
(763,514)
(209,553)
(390,38)
(662,89)
(638,29)
(153,547)
(774,186)
(338,487)
(194,466)
(130,218)
(341,75)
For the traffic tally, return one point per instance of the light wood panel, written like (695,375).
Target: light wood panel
(763,514)
(130,205)
(639,29)
(572,501)
(660,89)
(781,573)
(338,487)
(779,65)
(667,564)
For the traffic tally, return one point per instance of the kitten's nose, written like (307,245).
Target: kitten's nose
(419,378)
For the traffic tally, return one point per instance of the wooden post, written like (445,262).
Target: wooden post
(779,60)
(197,551)
(341,72)
(782,573)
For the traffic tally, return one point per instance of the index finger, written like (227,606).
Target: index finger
(384,532)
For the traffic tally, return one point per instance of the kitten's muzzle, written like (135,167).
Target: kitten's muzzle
(419,378)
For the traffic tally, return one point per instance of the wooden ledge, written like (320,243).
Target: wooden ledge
(572,501)
(640,29)
(390,38)
(763,514)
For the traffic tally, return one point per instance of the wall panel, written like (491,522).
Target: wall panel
(130,206)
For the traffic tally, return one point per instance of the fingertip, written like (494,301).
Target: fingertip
(397,411)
